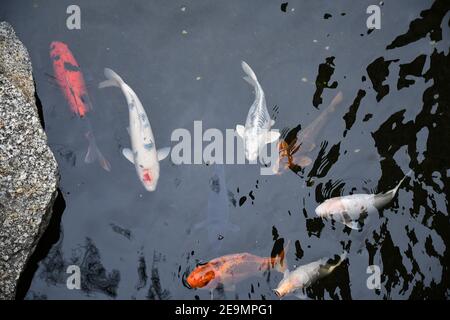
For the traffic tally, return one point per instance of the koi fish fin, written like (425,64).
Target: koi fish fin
(304,161)
(52,80)
(240,129)
(94,154)
(128,130)
(163,153)
(128,154)
(104,163)
(279,261)
(90,155)
(114,80)
(108,83)
(272,122)
(269,137)
(353,225)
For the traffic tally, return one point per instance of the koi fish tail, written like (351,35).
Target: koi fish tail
(336,100)
(401,181)
(251,76)
(94,154)
(341,259)
(278,262)
(393,192)
(113,79)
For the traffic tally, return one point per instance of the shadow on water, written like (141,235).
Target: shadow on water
(49,238)
(94,277)
(155,291)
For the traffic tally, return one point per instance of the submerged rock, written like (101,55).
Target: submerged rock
(28,170)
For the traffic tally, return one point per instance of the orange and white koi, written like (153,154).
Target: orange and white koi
(231,269)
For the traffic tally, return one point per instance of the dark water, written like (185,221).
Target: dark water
(394,117)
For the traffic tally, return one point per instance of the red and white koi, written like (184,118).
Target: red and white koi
(143,153)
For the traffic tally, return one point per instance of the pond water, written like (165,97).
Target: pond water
(183,60)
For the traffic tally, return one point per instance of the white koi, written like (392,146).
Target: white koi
(256,132)
(306,275)
(353,209)
(143,153)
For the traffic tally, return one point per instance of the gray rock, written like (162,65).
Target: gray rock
(28,170)
(15,62)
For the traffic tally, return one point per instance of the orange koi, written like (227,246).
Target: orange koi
(231,269)
(70,79)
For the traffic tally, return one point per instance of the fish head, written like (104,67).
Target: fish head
(330,207)
(57,48)
(285,286)
(284,159)
(148,177)
(201,276)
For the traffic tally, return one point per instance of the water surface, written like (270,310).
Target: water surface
(183,58)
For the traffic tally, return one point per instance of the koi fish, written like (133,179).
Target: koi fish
(230,269)
(351,210)
(304,276)
(143,153)
(218,214)
(305,140)
(70,79)
(256,132)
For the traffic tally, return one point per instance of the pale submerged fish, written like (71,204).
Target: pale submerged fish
(256,132)
(351,210)
(217,220)
(143,153)
(297,152)
(306,275)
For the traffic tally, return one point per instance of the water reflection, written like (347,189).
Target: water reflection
(94,277)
